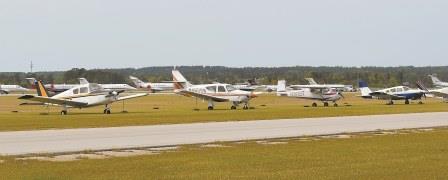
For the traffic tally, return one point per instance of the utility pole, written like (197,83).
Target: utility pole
(31,67)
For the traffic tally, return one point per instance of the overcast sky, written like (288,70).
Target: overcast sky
(62,34)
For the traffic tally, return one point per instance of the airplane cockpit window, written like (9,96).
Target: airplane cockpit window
(393,90)
(406,88)
(83,90)
(399,89)
(221,89)
(230,88)
(211,88)
(75,91)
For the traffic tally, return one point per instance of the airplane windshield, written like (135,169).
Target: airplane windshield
(230,88)
(406,89)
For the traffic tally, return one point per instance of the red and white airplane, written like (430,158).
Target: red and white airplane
(212,93)
(318,92)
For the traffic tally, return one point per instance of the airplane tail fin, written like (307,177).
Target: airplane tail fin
(83,81)
(180,82)
(365,90)
(434,79)
(281,87)
(31,81)
(41,91)
(137,82)
(311,81)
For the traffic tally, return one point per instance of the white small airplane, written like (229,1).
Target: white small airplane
(110,87)
(312,92)
(6,89)
(153,87)
(394,93)
(437,82)
(81,96)
(217,92)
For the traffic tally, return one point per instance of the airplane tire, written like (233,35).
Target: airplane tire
(63,112)
(210,108)
(325,104)
(246,107)
(335,105)
(314,105)
(233,107)
(108,112)
(105,111)
(406,101)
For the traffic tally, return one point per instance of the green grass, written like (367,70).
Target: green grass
(421,155)
(178,109)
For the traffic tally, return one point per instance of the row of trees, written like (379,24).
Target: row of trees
(375,76)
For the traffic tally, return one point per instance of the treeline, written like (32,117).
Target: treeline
(375,76)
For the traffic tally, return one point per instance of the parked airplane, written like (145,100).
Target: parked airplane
(436,81)
(6,89)
(81,96)
(441,92)
(110,87)
(153,87)
(394,93)
(313,92)
(217,92)
(252,85)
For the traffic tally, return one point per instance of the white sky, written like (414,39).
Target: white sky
(59,35)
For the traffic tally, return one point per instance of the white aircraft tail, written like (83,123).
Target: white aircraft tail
(311,81)
(83,81)
(137,82)
(180,82)
(365,90)
(434,79)
(281,87)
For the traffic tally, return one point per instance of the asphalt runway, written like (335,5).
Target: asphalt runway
(73,140)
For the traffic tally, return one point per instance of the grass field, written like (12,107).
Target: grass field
(418,155)
(169,109)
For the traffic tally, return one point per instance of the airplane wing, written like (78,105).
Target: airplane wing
(53,101)
(439,94)
(202,96)
(131,96)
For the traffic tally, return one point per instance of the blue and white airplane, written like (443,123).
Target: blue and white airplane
(394,93)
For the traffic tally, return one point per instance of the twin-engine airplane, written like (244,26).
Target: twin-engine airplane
(212,92)
(153,87)
(437,82)
(81,96)
(394,93)
(312,92)
(6,89)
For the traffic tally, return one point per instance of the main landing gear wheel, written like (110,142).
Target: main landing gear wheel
(314,104)
(233,107)
(325,104)
(390,103)
(210,108)
(420,102)
(335,105)
(63,112)
(106,111)
(406,101)
(246,107)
